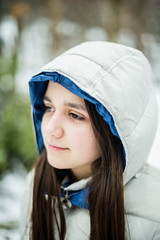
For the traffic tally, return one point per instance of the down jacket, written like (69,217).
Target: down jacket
(118,79)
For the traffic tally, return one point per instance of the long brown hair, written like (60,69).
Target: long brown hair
(105,200)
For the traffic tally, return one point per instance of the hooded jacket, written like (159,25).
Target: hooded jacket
(118,80)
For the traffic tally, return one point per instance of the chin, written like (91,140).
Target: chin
(56,165)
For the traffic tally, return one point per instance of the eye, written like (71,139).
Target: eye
(76,116)
(47,109)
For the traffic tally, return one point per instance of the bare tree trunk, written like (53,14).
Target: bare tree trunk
(138,10)
(111,17)
(55,14)
(2,12)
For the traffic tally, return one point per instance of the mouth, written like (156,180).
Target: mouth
(56,148)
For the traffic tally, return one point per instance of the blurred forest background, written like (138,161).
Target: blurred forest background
(32,32)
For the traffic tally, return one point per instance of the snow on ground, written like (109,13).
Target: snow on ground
(11,193)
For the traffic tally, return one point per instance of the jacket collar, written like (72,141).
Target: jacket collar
(75,193)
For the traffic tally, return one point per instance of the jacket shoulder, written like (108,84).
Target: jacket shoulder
(142,194)
(25,224)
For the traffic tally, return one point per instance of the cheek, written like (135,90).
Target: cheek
(85,142)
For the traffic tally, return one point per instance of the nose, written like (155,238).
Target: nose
(54,126)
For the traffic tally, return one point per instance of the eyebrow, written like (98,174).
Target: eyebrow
(68,104)
(47,99)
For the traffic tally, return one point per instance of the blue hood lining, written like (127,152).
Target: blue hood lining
(37,88)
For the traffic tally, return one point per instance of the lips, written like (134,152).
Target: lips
(56,148)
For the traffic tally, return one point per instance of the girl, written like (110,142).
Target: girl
(95,119)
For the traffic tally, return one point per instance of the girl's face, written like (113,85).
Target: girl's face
(67,132)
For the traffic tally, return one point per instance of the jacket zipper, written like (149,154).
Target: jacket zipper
(65,199)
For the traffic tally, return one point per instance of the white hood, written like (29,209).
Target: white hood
(120,78)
